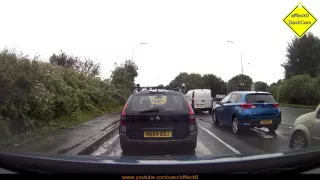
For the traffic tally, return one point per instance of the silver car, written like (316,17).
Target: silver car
(306,130)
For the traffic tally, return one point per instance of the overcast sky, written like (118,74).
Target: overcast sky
(182,36)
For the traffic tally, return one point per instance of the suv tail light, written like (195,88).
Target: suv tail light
(123,115)
(192,119)
(276,105)
(248,106)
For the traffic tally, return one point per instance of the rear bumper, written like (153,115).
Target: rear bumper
(159,143)
(257,122)
(203,109)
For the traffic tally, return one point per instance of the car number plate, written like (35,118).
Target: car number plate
(199,106)
(266,122)
(157,134)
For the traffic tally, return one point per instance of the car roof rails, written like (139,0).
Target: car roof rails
(138,88)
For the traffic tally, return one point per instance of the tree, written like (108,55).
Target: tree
(64,60)
(131,68)
(196,81)
(260,86)
(303,56)
(299,89)
(216,84)
(178,80)
(191,81)
(123,77)
(86,66)
(235,83)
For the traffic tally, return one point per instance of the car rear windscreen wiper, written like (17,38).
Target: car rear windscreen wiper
(260,101)
(150,110)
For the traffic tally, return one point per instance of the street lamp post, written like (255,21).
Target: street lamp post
(252,85)
(227,87)
(133,48)
(241,65)
(267,83)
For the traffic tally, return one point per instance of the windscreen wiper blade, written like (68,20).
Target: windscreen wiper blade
(150,110)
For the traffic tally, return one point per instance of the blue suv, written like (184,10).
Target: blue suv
(245,109)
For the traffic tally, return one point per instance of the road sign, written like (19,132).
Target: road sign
(300,20)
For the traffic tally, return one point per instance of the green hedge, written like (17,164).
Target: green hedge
(300,90)
(34,94)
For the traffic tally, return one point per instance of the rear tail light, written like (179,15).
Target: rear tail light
(192,119)
(276,105)
(248,106)
(191,114)
(123,115)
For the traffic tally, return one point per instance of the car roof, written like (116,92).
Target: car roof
(195,90)
(200,90)
(157,91)
(250,92)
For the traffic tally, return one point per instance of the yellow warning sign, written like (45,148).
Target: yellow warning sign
(300,20)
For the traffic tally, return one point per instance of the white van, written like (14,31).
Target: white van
(200,99)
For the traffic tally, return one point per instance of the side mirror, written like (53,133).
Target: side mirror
(219,102)
(318,114)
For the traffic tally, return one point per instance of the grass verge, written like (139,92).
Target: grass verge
(297,106)
(54,126)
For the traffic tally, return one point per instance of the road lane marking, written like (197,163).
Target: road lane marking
(220,140)
(306,109)
(201,149)
(286,123)
(105,146)
(279,133)
(262,134)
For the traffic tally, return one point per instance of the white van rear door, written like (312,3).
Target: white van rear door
(202,99)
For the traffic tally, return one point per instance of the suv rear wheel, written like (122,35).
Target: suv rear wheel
(235,126)
(272,129)
(191,147)
(214,119)
(124,147)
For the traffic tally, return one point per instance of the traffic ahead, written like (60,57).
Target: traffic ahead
(158,122)
(220,140)
(156,119)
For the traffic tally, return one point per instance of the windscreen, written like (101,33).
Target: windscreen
(260,98)
(85,76)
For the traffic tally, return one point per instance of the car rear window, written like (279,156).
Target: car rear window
(166,102)
(260,98)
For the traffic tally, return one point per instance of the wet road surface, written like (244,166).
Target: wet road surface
(221,141)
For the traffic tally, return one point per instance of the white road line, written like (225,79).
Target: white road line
(104,148)
(220,140)
(306,109)
(286,123)
(264,129)
(262,134)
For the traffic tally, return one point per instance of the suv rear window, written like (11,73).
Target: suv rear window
(166,103)
(260,98)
